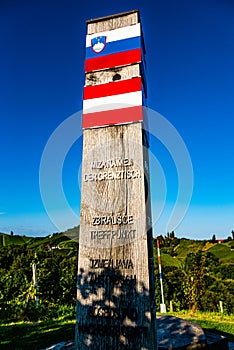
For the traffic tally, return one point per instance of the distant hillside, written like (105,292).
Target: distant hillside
(174,251)
(223,251)
(186,246)
(6,239)
(211,276)
(168,260)
(62,239)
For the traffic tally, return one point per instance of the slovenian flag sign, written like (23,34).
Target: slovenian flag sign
(120,101)
(114,48)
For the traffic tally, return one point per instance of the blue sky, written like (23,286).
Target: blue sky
(190,75)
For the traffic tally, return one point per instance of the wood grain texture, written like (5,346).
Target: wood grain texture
(113,23)
(107,76)
(114,291)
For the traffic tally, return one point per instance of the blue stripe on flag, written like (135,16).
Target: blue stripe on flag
(116,46)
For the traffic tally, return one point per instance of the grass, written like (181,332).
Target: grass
(223,252)
(168,260)
(214,322)
(8,239)
(188,246)
(39,335)
(35,335)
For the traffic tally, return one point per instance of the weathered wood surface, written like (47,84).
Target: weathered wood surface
(110,23)
(113,174)
(114,297)
(107,76)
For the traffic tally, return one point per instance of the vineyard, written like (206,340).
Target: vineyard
(197,276)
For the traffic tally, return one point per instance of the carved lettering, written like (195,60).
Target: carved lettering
(111,263)
(113,234)
(111,175)
(101,281)
(112,163)
(112,330)
(113,220)
(110,312)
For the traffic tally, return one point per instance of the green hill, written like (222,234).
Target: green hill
(174,251)
(65,240)
(168,260)
(6,239)
(224,252)
(186,246)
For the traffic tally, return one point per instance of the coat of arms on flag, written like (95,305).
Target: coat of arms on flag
(98,44)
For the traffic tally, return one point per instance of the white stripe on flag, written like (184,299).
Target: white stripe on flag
(116,34)
(112,102)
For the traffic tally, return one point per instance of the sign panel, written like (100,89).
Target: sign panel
(113,48)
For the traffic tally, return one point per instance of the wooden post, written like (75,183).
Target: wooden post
(162,305)
(221,306)
(35,283)
(115,283)
(171,306)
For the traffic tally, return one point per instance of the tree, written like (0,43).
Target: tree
(173,278)
(172,234)
(197,267)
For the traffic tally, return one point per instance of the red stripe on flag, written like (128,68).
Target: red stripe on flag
(116,116)
(113,60)
(112,88)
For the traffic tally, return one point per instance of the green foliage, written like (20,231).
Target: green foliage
(196,275)
(224,271)
(56,275)
(213,238)
(196,267)
(196,279)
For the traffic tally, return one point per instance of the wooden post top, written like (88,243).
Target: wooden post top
(115,21)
